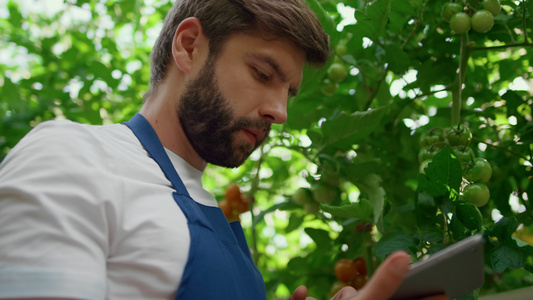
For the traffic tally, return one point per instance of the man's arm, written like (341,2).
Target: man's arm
(52,238)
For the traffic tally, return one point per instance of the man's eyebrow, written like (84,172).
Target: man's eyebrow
(276,67)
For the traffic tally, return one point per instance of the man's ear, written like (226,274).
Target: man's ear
(188,39)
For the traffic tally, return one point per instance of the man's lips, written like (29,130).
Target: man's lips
(254,135)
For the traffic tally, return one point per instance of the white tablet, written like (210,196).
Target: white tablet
(454,271)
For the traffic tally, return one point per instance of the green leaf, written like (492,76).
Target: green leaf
(327,22)
(469,215)
(504,257)
(373,20)
(503,229)
(370,187)
(395,241)
(361,210)
(360,167)
(15,17)
(295,221)
(320,237)
(457,227)
(432,233)
(397,58)
(443,174)
(282,206)
(348,129)
(426,204)
(297,265)
(11,93)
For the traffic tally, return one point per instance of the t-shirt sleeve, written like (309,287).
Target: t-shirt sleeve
(53,221)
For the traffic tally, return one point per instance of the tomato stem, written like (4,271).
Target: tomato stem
(253,191)
(464,55)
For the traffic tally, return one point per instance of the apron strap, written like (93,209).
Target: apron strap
(148,138)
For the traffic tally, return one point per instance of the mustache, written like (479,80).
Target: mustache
(248,123)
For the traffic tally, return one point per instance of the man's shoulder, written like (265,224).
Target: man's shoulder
(66,143)
(66,135)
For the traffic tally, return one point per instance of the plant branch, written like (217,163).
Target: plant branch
(502,47)
(464,55)
(524,24)
(253,191)
(504,149)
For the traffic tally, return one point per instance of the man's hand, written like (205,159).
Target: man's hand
(381,286)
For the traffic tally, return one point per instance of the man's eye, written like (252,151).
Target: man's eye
(262,76)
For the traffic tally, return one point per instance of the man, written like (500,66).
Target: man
(118,211)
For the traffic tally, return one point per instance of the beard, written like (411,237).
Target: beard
(210,125)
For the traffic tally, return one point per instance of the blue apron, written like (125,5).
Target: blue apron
(219,265)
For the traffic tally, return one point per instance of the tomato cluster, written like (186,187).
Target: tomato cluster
(234,203)
(462,17)
(477,173)
(476,170)
(336,72)
(350,273)
(325,190)
(310,198)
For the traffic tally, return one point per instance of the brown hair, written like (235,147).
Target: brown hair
(291,19)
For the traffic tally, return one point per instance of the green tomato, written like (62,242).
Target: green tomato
(477,194)
(341,49)
(482,21)
(337,72)
(460,23)
(329,88)
(432,137)
(493,6)
(459,136)
(423,166)
(312,207)
(302,196)
(479,171)
(449,9)
(427,153)
(330,176)
(324,193)
(464,154)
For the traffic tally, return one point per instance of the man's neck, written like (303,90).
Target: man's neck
(161,112)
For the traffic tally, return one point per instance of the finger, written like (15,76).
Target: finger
(345,293)
(387,277)
(300,293)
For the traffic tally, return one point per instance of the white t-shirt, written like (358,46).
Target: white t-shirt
(86,213)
